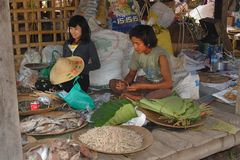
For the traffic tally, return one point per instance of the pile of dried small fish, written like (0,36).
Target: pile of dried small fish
(25,139)
(112,139)
(58,149)
(42,124)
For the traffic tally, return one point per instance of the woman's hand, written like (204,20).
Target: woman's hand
(135,87)
(121,86)
(131,96)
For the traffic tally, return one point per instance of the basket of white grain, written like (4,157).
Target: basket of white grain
(115,139)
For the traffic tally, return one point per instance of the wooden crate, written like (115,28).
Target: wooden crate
(38,23)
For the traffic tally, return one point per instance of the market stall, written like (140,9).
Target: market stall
(198,119)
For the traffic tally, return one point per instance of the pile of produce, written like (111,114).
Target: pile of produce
(114,112)
(177,111)
(232,94)
(112,139)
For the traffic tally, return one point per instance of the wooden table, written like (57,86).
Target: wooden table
(189,144)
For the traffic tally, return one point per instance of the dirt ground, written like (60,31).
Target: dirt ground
(230,154)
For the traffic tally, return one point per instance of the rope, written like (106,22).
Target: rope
(145,7)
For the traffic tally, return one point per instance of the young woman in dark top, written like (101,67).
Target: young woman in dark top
(80,44)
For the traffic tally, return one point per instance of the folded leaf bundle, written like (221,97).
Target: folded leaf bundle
(113,112)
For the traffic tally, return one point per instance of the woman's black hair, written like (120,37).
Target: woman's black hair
(146,34)
(82,22)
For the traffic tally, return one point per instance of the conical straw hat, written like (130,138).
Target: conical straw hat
(65,69)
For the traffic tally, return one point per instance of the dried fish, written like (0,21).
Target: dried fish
(58,149)
(76,156)
(37,153)
(43,124)
(28,126)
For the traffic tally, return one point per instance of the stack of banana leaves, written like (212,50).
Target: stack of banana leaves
(177,111)
(114,112)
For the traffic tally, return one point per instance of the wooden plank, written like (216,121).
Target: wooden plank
(156,151)
(194,137)
(43,9)
(10,138)
(213,133)
(37,44)
(237,107)
(167,138)
(228,141)
(196,153)
(237,138)
(221,11)
(201,135)
(227,117)
(222,32)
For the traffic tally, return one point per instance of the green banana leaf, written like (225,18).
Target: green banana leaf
(108,110)
(124,114)
(173,107)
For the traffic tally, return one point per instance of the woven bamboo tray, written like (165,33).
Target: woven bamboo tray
(147,139)
(55,103)
(155,118)
(55,114)
(48,141)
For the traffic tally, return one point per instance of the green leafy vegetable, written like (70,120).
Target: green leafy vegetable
(113,112)
(174,108)
(124,114)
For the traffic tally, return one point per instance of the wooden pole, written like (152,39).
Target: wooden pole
(237,107)
(220,15)
(10,138)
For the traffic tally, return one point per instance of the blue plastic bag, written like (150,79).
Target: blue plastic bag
(78,99)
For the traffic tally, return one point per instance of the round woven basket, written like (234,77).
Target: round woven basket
(31,146)
(55,103)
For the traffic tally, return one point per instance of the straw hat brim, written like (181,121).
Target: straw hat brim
(65,69)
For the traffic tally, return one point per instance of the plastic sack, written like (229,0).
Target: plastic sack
(111,47)
(27,77)
(202,11)
(160,14)
(78,99)
(122,15)
(87,8)
(193,60)
(188,87)
(51,53)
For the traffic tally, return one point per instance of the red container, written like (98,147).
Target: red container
(34,105)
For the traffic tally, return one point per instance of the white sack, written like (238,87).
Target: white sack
(51,53)
(165,15)
(188,87)
(27,77)
(202,11)
(110,46)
